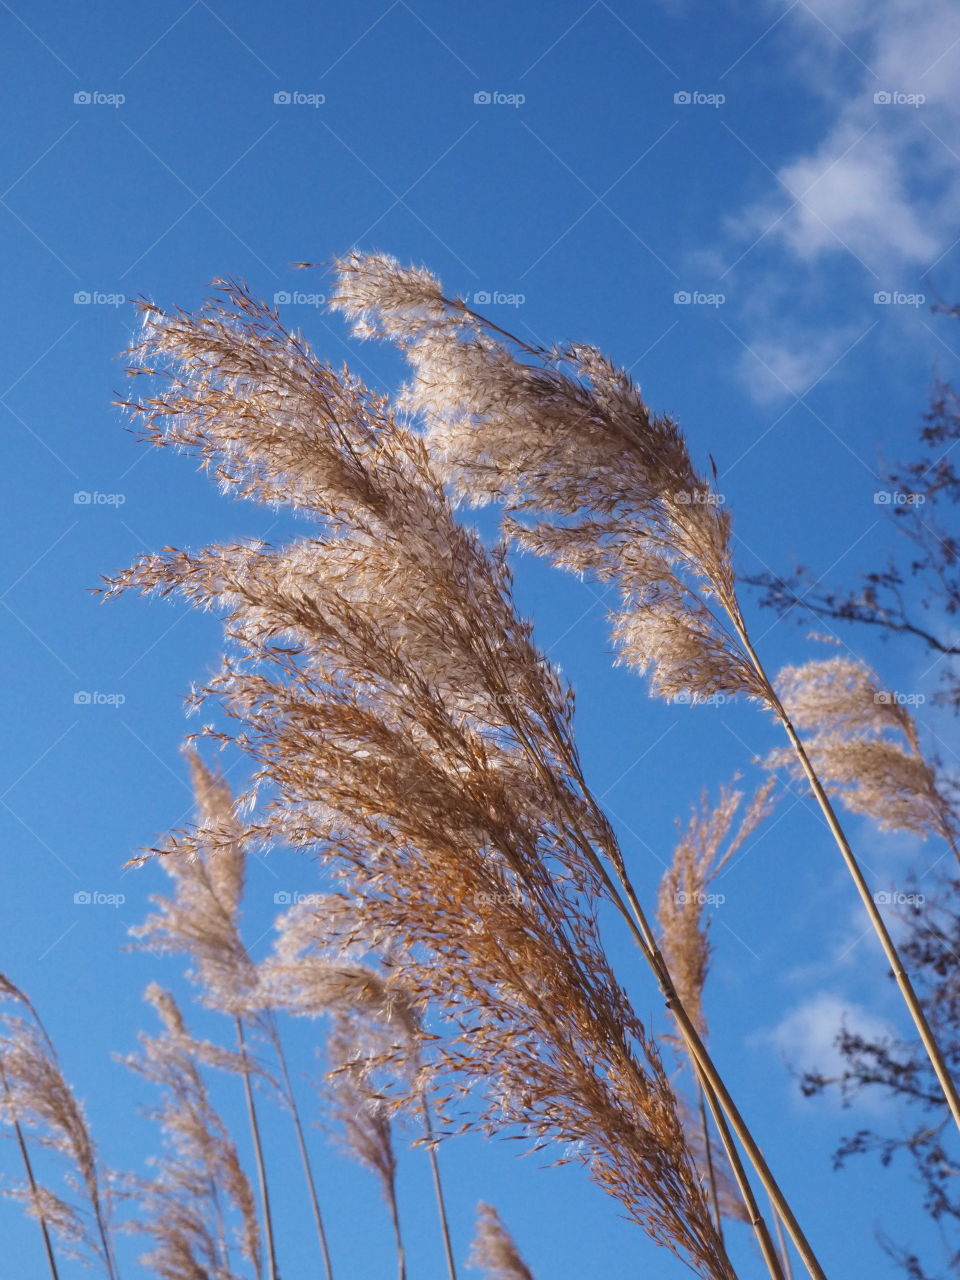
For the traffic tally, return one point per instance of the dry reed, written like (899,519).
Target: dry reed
(494,1251)
(405,727)
(565,434)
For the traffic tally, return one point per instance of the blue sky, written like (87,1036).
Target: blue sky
(752,206)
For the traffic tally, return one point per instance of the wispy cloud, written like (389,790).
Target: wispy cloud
(873,192)
(806,1036)
(881,182)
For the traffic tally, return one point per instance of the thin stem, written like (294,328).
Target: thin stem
(708,1153)
(548,1013)
(866,897)
(754,1216)
(304,1155)
(645,938)
(643,935)
(258,1155)
(397,1233)
(34,1189)
(438,1189)
(223,1250)
(99,1219)
(784,1251)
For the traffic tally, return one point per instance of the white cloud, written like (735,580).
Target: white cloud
(871,201)
(790,364)
(854,197)
(879,182)
(806,1036)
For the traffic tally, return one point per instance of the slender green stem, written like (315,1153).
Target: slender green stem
(258,1155)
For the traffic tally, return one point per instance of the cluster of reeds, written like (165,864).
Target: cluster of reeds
(565,435)
(404,729)
(411,735)
(206,1217)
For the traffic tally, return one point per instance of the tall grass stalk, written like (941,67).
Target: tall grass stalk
(291,1100)
(438,1190)
(32,1182)
(901,977)
(262,1182)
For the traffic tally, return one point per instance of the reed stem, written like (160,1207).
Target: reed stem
(397,1233)
(304,1155)
(754,1216)
(258,1156)
(708,1154)
(438,1190)
(32,1181)
(856,874)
